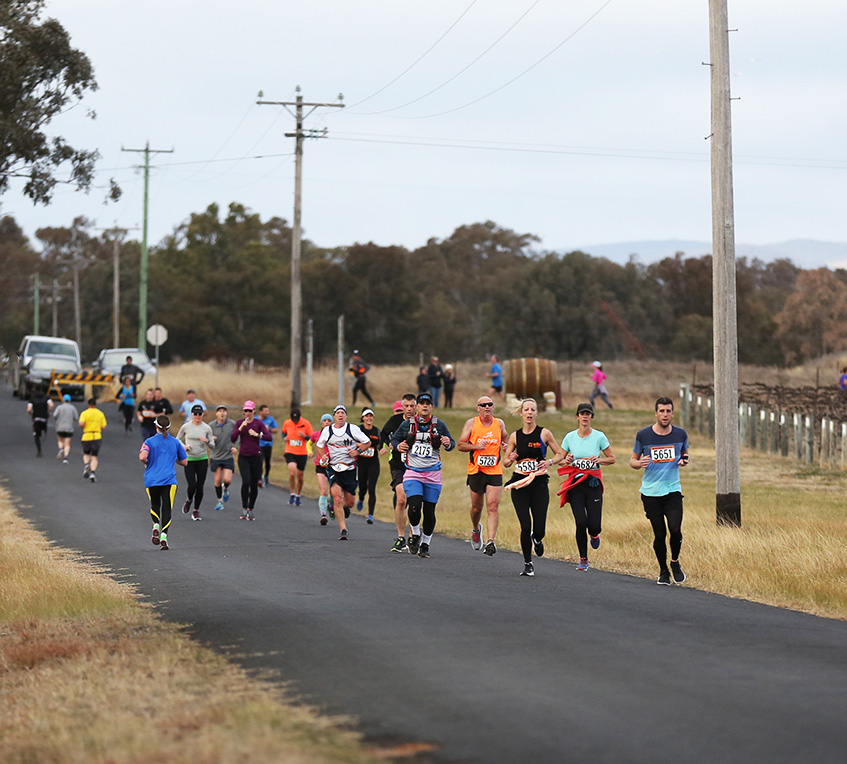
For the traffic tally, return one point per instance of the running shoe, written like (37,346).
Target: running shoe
(414,544)
(219,505)
(677,571)
(664,577)
(226,494)
(370,519)
(331,511)
(399,545)
(490,548)
(424,550)
(528,569)
(156,536)
(243,515)
(360,505)
(344,535)
(291,499)
(92,477)
(195,515)
(583,563)
(538,546)
(85,471)
(476,539)
(61,453)
(186,507)
(64,461)
(323,520)
(163,543)
(297,500)
(595,541)
(250,515)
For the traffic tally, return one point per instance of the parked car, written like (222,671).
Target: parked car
(112,359)
(33,344)
(38,372)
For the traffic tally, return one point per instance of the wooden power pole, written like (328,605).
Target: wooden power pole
(296,288)
(724,299)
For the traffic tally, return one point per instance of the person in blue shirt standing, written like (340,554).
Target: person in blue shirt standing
(660,450)
(267,446)
(496,377)
(161,453)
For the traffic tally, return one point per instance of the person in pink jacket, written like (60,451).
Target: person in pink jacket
(599,380)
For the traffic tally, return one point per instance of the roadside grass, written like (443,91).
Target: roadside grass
(791,550)
(90,675)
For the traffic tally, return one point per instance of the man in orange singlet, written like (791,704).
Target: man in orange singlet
(483,438)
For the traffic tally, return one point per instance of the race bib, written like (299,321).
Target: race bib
(295,442)
(584,464)
(486,461)
(368,453)
(662,454)
(526,466)
(421,449)
(342,467)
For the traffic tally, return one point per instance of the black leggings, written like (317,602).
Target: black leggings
(530,504)
(195,476)
(267,452)
(368,475)
(587,507)
(128,412)
(658,509)
(250,468)
(414,505)
(361,387)
(161,502)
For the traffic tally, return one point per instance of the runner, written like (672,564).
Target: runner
(359,369)
(197,437)
(404,409)
(221,463)
(126,396)
(483,437)
(135,374)
(163,405)
(661,450)
(249,430)
(599,378)
(320,471)
(421,439)
(190,400)
(529,484)
(296,432)
(586,449)
(339,445)
(267,446)
(39,409)
(146,415)
(93,422)
(367,465)
(161,454)
(66,417)
(496,377)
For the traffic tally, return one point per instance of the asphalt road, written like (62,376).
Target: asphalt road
(456,650)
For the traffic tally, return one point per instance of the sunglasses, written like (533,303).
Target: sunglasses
(248,411)
(485,405)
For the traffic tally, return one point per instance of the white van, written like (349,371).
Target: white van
(37,343)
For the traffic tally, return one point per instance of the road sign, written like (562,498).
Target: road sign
(157,335)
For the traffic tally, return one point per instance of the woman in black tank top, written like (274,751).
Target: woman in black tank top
(528,449)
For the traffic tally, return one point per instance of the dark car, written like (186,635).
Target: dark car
(38,372)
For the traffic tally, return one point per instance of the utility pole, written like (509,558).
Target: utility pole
(142,281)
(117,234)
(36,296)
(296,289)
(724,298)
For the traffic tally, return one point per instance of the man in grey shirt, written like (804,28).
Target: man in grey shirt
(66,417)
(221,461)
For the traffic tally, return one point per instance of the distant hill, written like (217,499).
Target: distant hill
(805,253)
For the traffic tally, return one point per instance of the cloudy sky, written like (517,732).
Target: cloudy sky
(580,121)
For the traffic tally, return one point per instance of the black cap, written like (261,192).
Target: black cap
(198,409)
(585,407)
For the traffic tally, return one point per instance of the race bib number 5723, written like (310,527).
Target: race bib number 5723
(662,453)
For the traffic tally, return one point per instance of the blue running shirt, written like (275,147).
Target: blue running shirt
(162,456)
(661,476)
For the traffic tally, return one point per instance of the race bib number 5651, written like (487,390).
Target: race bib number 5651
(662,453)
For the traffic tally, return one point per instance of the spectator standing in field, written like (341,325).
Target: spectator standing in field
(324,505)
(586,449)
(404,409)
(190,401)
(248,431)
(422,380)
(483,438)
(160,454)
(267,446)
(660,450)
(528,450)
(367,465)
(163,405)
(221,462)
(842,380)
(436,377)
(93,422)
(296,432)
(495,375)
(197,437)
(146,415)
(66,417)
(39,409)
(359,369)
(126,395)
(135,373)
(599,379)
(449,385)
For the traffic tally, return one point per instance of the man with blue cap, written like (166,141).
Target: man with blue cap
(65,416)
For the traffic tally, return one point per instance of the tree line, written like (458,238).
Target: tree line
(220,283)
